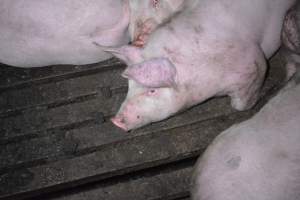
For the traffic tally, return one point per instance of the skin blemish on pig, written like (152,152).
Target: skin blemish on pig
(198,29)
(155,4)
(174,55)
(281,154)
(197,41)
(230,46)
(171,28)
(234,162)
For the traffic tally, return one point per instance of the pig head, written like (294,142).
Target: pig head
(146,15)
(152,93)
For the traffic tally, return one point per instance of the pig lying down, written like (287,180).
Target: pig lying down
(258,159)
(210,48)
(38,33)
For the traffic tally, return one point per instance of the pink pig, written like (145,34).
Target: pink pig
(211,48)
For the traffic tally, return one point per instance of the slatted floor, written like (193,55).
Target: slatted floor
(57,143)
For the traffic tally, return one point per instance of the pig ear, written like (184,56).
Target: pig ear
(129,54)
(154,73)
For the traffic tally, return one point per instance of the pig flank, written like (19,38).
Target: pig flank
(215,47)
(37,33)
(258,159)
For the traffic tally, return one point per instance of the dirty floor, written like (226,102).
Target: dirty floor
(57,143)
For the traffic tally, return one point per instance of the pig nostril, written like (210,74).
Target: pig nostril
(119,122)
(138,117)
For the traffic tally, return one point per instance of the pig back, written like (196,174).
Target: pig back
(37,33)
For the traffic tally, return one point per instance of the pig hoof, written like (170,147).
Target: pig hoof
(119,123)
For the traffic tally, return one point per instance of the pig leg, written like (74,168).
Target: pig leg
(245,90)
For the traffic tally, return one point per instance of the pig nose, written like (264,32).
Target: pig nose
(119,122)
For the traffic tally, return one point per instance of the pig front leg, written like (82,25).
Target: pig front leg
(244,92)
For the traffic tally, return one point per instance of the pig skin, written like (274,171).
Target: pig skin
(291,40)
(258,159)
(38,33)
(216,47)
(147,15)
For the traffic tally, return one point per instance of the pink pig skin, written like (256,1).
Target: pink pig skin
(258,159)
(46,32)
(217,48)
(147,15)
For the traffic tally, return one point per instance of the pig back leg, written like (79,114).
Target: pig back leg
(244,91)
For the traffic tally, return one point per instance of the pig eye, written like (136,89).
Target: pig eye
(152,92)
(155,3)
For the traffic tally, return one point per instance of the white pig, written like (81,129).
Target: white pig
(210,48)
(258,159)
(146,15)
(47,32)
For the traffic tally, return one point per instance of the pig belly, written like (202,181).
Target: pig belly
(258,159)
(38,33)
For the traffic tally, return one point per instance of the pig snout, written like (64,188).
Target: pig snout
(126,121)
(127,117)
(120,122)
